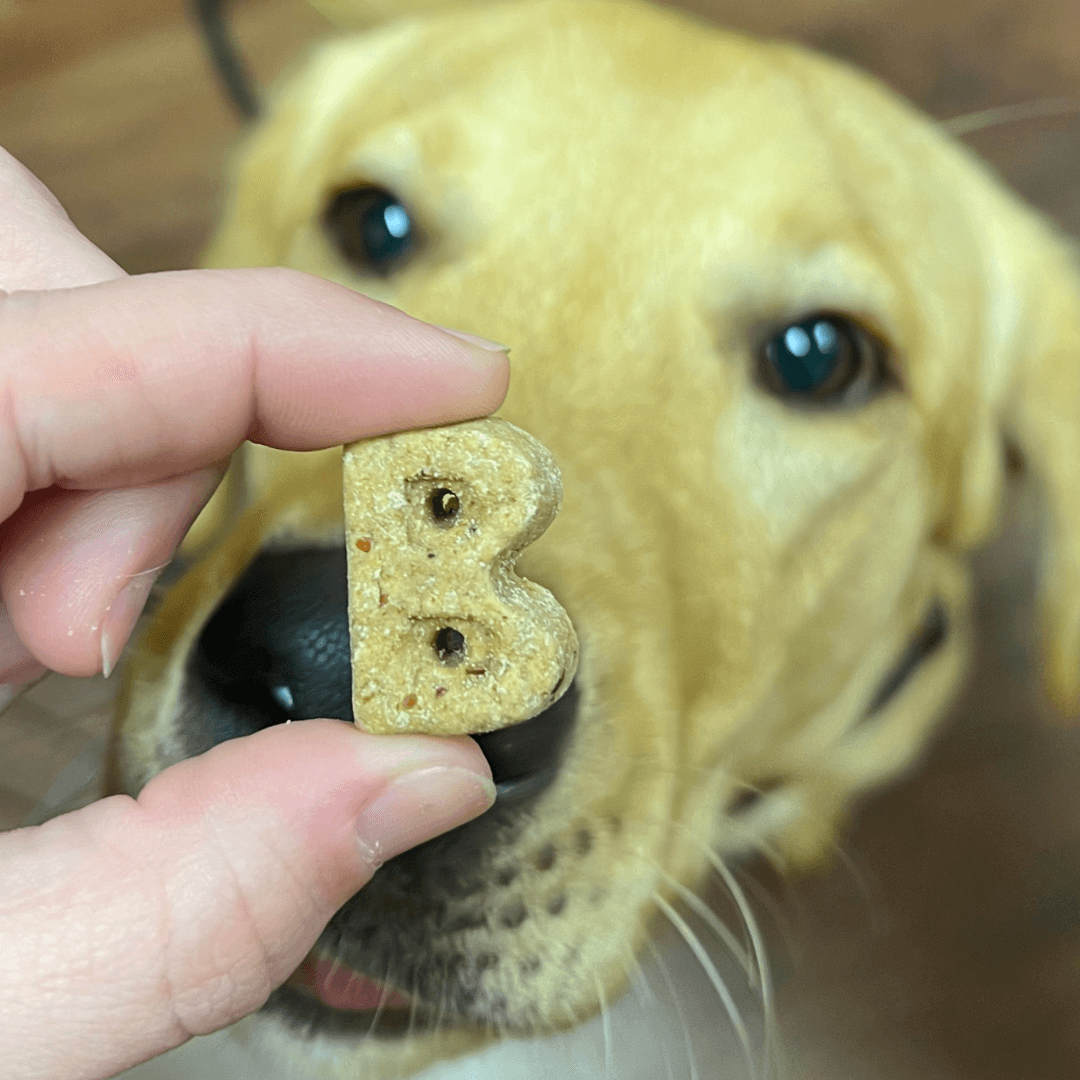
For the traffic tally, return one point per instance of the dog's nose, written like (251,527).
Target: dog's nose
(277,649)
(279,641)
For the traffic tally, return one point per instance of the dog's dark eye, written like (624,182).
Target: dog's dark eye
(372,228)
(823,359)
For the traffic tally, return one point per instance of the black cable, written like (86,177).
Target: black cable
(225,57)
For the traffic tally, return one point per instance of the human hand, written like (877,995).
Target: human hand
(130,925)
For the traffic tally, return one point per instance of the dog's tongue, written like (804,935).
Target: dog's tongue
(342,988)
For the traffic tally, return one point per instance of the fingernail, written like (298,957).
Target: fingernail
(120,616)
(473,339)
(418,806)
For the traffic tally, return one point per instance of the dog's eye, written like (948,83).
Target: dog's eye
(371,228)
(823,359)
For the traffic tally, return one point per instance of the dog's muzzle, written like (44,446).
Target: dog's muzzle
(277,649)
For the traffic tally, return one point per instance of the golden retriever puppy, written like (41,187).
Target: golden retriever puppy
(777,331)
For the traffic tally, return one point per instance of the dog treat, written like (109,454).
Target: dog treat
(446,638)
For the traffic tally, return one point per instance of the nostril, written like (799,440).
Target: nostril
(278,644)
(525,756)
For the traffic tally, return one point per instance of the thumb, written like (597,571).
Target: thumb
(131,925)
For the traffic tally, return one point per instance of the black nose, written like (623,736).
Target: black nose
(278,643)
(277,649)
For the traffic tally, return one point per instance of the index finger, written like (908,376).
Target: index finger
(137,379)
(138,387)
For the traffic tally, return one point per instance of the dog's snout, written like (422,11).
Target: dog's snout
(277,649)
(279,642)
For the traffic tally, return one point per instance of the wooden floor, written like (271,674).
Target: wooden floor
(949,949)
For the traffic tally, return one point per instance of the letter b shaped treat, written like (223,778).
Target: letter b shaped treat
(446,638)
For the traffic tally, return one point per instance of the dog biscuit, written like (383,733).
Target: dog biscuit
(446,638)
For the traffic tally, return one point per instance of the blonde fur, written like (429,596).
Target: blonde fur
(630,200)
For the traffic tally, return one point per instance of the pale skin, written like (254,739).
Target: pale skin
(131,925)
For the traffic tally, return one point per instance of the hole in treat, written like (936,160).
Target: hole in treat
(449,645)
(444,506)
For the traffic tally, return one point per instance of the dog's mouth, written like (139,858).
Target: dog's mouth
(928,638)
(345,989)
(328,996)
(276,650)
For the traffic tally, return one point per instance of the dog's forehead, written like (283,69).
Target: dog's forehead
(763,181)
(630,117)
(680,106)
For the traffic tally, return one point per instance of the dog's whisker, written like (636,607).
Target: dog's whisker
(715,978)
(413,1011)
(639,980)
(755,964)
(679,1011)
(143,573)
(801,916)
(968,123)
(650,1006)
(773,908)
(862,886)
(384,997)
(435,1017)
(605,1024)
(760,953)
(716,925)
(753,961)
(749,920)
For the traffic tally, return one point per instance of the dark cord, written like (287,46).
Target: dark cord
(210,16)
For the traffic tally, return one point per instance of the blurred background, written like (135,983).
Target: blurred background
(112,103)
(944,943)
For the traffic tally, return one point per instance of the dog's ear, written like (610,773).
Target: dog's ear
(360,14)
(1041,416)
(1024,394)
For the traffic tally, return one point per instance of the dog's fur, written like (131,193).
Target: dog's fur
(636,203)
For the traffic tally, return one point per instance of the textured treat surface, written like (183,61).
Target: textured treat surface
(446,638)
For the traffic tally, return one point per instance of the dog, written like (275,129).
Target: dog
(782,336)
